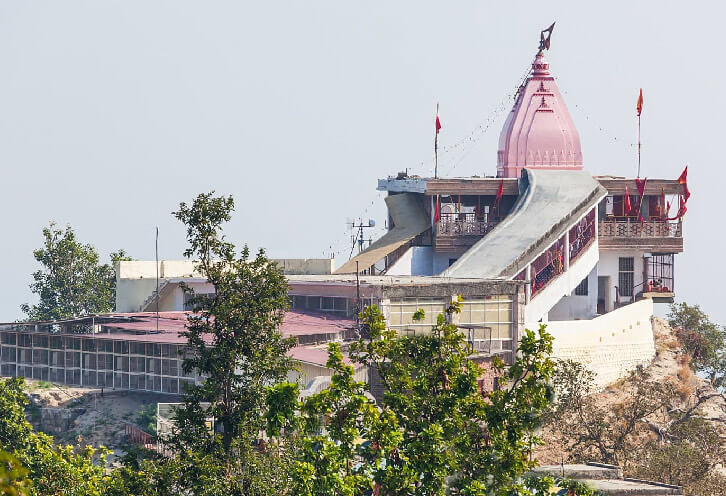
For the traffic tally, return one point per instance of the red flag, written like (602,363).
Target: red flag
(628,207)
(438,122)
(500,191)
(639,106)
(437,212)
(681,209)
(662,204)
(640,184)
(682,179)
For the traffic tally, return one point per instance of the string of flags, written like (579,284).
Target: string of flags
(467,144)
(610,136)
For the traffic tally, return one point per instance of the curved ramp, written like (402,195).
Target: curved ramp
(409,220)
(549,202)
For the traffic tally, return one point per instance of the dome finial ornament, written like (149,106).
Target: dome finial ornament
(544,41)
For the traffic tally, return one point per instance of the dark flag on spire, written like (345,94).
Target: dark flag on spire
(544,41)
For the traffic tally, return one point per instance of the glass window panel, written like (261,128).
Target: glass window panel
(89,361)
(174,367)
(505,313)
(491,313)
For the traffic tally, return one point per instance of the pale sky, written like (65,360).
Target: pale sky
(112,112)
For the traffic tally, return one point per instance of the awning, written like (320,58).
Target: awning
(409,220)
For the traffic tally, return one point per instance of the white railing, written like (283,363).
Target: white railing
(637,229)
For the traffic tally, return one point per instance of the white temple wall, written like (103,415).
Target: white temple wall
(421,261)
(416,261)
(611,345)
(562,285)
(577,307)
(609,266)
(442,261)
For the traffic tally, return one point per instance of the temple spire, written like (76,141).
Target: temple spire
(539,132)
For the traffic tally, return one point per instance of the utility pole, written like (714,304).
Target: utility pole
(156,250)
(357,300)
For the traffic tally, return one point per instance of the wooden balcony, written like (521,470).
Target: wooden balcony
(655,236)
(459,232)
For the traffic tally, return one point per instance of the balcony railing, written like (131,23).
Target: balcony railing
(636,229)
(463,225)
(548,266)
(581,235)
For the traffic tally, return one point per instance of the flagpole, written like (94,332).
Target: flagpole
(436,146)
(638,146)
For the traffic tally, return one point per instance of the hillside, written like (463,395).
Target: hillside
(677,424)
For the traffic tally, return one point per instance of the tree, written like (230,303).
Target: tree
(433,431)
(51,469)
(609,434)
(13,477)
(235,344)
(71,282)
(649,432)
(703,341)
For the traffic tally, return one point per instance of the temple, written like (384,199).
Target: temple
(541,242)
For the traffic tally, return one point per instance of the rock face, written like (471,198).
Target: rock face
(670,365)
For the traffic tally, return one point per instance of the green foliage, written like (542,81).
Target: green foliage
(334,423)
(433,431)
(281,407)
(704,341)
(53,469)
(71,281)
(13,477)
(146,418)
(234,342)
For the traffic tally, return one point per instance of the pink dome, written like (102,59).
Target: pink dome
(539,132)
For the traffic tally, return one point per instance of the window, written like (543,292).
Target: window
(625,276)
(581,289)
(334,304)
(189,306)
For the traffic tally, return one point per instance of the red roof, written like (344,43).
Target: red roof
(317,356)
(170,324)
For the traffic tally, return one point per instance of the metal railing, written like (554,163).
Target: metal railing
(463,225)
(548,266)
(636,229)
(581,235)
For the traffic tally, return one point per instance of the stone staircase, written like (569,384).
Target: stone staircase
(151,298)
